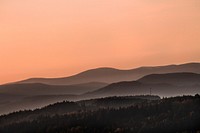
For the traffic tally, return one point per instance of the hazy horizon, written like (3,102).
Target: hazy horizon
(61,38)
(73,74)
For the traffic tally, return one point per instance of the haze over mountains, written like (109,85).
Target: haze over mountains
(30,89)
(171,80)
(171,84)
(111,75)
(179,79)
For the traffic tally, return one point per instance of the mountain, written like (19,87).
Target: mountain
(63,107)
(135,88)
(14,97)
(170,84)
(10,103)
(28,89)
(180,79)
(25,95)
(110,115)
(111,75)
(33,95)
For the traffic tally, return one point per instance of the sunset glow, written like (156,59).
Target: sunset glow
(56,38)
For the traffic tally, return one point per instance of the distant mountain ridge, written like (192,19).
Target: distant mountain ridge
(180,79)
(33,95)
(162,81)
(170,84)
(111,75)
(30,89)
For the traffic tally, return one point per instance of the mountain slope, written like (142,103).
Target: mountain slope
(168,115)
(14,97)
(60,108)
(179,79)
(160,84)
(29,96)
(28,89)
(111,75)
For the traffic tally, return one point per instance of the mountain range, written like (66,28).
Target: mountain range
(165,81)
(111,75)
(170,84)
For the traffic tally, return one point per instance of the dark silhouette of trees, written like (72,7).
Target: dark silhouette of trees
(168,115)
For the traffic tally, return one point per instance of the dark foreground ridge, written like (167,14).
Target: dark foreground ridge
(137,114)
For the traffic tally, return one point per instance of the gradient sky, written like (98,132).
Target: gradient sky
(53,38)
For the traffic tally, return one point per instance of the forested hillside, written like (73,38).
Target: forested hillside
(168,115)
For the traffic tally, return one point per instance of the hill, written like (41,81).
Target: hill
(30,89)
(60,108)
(169,115)
(111,75)
(30,96)
(178,79)
(170,84)
(14,97)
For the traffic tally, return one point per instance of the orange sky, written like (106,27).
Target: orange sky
(53,38)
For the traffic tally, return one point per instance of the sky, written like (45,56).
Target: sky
(57,38)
